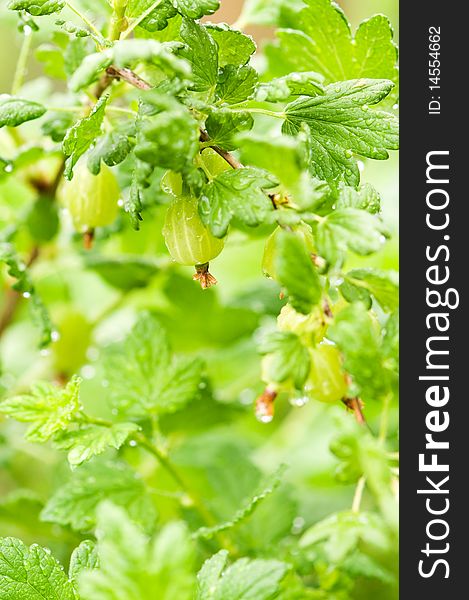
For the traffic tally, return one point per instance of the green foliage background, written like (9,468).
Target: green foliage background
(149,384)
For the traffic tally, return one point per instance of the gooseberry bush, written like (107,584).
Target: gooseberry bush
(145,153)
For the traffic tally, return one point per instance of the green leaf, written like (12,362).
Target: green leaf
(296,273)
(90,70)
(56,125)
(112,148)
(249,507)
(244,580)
(134,203)
(75,53)
(236,194)
(127,53)
(24,285)
(168,136)
(144,377)
(286,158)
(363,454)
(209,575)
(42,220)
(202,53)
(31,573)
(15,111)
(92,440)
(37,8)
(234,47)
(53,60)
(325,44)
(348,229)
(266,12)
(236,84)
(74,504)
(223,124)
(204,457)
(133,567)
(157,19)
(288,358)
(80,137)
(195,9)
(123,272)
(342,533)
(341,124)
(383,285)
(294,84)
(358,564)
(359,339)
(364,198)
(84,558)
(48,408)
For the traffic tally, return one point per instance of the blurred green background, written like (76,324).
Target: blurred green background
(221,325)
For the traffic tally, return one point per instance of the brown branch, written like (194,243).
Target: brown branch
(129,77)
(230,159)
(356,405)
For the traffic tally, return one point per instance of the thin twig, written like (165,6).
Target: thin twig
(357,497)
(230,159)
(139,19)
(83,17)
(128,76)
(21,65)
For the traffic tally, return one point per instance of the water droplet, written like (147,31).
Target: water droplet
(361,165)
(382,239)
(246,397)
(133,443)
(297,525)
(44,352)
(349,153)
(92,353)
(365,107)
(8,168)
(202,385)
(27,30)
(264,418)
(88,372)
(114,411)
(26,295)
(120,202)
(299,400)
(395,107)
(55,336)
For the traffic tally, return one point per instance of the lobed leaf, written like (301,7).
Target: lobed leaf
(80,137)
(31,573)
(48,408)
(342,124)
(236,194)
(144,377)
(75,503)
(234,47)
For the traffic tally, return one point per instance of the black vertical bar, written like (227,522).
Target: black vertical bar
(439,127)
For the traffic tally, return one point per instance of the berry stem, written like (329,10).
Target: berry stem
(203,275)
